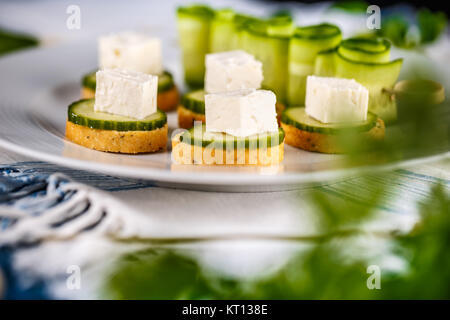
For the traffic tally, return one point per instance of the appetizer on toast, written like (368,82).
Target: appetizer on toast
(225,72)
(135,52)
(122,118)
(241,129)
(335,107)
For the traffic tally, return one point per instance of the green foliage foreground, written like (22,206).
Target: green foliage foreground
(323,271)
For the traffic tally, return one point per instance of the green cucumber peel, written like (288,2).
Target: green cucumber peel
(298,118)
(82,113)
(197,11)
(371,50)
(194,101)
(221,140)
(90,80)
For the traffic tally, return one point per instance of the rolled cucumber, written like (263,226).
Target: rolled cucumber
(367,61)
(226,30)
(193,24)
(165,81)
(325,64)
(201,137)
(304,46)
(194,101)
(298,118)
(222,31)
(371,50)
(268,41)
(82,113)
(375,77)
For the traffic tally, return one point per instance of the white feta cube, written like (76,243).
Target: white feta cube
(231,71)
(334,100)
(126,93)
(131,51)
(241,113)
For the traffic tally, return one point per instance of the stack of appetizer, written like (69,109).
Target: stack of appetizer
(124,117)
(225,71)
(135,52)
(241,126)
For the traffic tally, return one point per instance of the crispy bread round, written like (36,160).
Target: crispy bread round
(183,153)
(325,143)
(187,117)
(118,141)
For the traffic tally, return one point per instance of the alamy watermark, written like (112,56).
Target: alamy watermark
(73,21)
(73,281)
(374,280)
(374,19)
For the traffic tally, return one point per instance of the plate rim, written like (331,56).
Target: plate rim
(225,179)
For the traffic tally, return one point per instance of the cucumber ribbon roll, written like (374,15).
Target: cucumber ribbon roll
(367,60)
(226,30)
(268,40)
(193,24)
(304,46)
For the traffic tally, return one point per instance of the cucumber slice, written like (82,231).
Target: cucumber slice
(268,41)
(82,113)
(367,61)
(90,80)
(372,50)
(375,77)
(197,137)
(194,101)
(165,81)
(193,30)
(304,46)
(298,118)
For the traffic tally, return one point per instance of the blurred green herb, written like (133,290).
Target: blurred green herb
(431,25)
(427,251)
(323,272)
(427,28)
(351,6)
(395,28)
(282,13)
(10,42)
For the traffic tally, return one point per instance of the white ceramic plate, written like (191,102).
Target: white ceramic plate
(36,87)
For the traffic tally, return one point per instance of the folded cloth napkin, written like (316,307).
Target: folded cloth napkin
(37,209)
(70,208)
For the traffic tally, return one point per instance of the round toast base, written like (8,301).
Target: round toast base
(117,141)
(187,117)
(183,153)
(325,143)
